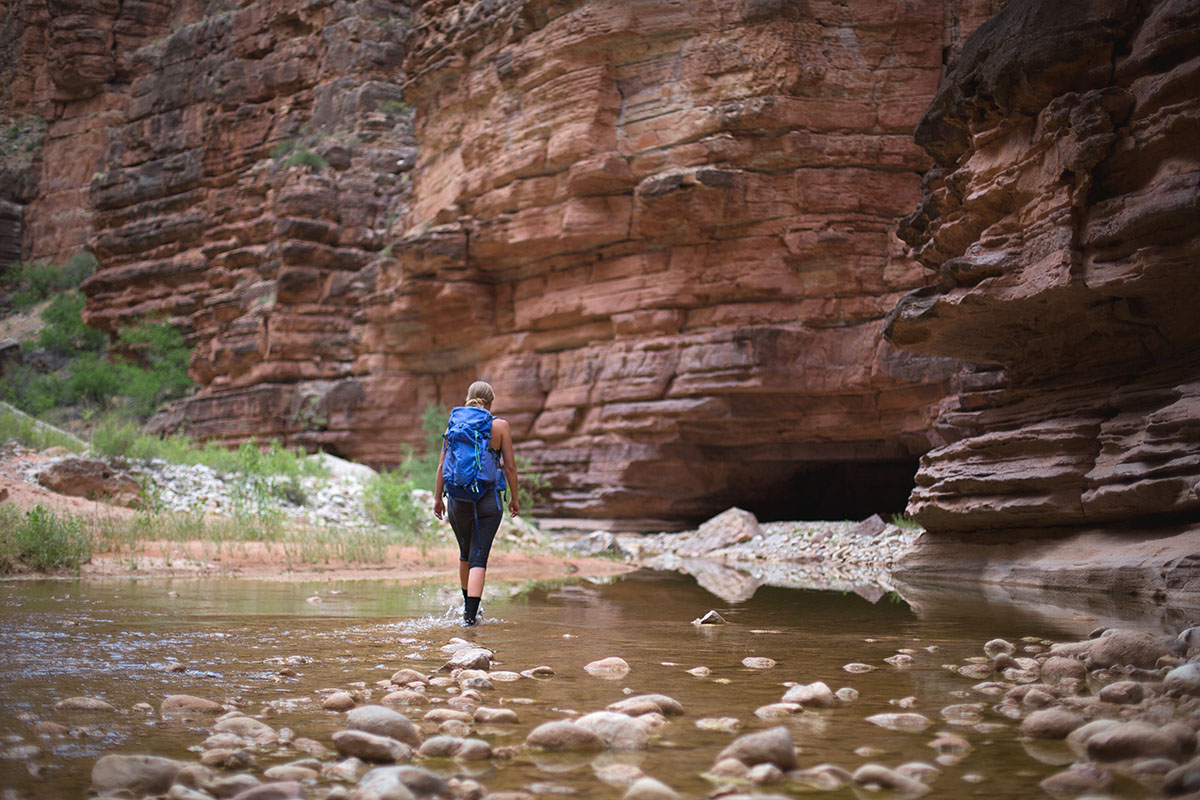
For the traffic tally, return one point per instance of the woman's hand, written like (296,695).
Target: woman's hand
(513,506)
(439,506)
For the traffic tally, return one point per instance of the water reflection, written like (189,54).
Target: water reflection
(132,642)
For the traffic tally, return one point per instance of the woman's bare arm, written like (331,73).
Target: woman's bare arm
(501,427)
(439,506)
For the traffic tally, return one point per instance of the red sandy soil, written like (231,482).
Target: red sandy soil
(271,561)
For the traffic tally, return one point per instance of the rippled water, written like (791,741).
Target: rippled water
(115,640)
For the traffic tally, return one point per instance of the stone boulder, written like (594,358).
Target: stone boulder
(384,721)
(564,735)
(730,527)
(619,731)
(135,774)
(95,480)
(772,746)
(371,747)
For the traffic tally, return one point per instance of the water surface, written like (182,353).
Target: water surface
(119,640)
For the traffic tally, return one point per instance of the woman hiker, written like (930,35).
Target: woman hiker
(475,466)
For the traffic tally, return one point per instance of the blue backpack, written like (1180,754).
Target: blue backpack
(470,468)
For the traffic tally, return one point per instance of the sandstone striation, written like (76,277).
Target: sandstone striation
(663,231)
(1060,217)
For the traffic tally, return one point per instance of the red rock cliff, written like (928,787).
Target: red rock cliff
(1061,218)
(664,231)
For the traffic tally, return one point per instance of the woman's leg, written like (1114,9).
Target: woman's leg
(489,514)
(463,527)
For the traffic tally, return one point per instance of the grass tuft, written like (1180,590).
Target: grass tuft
(41,540)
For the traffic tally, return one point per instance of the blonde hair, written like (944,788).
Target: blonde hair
(480,395)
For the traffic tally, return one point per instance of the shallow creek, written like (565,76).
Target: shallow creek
(118,640)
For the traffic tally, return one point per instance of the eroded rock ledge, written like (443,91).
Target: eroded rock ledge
(1061,220)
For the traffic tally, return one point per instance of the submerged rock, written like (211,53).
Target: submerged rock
(1123,693)
(1183,680)
(773,745)
(137,774)
(1051,723)
(470,658)
(1079,779)
(276,790)
(1133,740)
(496,716)
(910,721)
(607,666)
(758,662)
(619,731)
(889,779)
(384,721)
(644,703)
(564,735)
(339,701)
(370,746)
(997,646)
(815,695)
(647,788)
(1118,647)
(188,704)
(84,704)
(454,747)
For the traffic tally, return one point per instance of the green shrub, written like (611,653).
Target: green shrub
(94,379)
(905,522)
(388,498)
(531,485)
(156,371)
(41,540)
(34,281)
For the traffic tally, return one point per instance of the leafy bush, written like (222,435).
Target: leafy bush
(388,498)
(161,368)
(36,280)
(94,379)
(64,332)
(905,522)
(41,540)
(155,370)
(531,485)
(32,391)
(294,152)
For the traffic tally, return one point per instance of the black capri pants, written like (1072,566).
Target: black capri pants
(474,544)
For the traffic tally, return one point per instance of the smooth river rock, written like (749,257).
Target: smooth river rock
(384,721)
(773,746)
(910,721)
(84,704)
(189,704)
(1051,723)
(564,735)
(619,731)
(816,695)
(647,788)
(137,774)
(608,666)
(370,746)
(644,703)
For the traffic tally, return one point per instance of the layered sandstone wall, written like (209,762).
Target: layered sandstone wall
(1062,218)
(665,231)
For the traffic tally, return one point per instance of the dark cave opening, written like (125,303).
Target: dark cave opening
(850,490)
